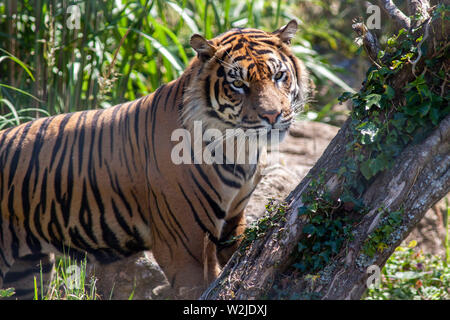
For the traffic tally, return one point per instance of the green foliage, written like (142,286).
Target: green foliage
(6,293)
(12,116)
(382,125)
(274,213)
(123,50)
(70,282)
(380,238)
(409,274)
(327,229)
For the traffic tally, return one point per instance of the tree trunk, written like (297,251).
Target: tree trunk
(418,178)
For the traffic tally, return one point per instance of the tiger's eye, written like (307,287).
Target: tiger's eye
(278,75)
(238,83)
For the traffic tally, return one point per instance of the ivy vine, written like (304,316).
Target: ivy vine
(384,120)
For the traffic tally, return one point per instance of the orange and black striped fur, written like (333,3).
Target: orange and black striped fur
(103,182)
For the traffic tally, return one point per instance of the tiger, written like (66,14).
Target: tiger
(102,182)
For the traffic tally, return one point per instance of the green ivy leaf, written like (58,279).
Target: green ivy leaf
(396,64)
(378,164)
(366,170)
(424,108)
(302,210)
(309,229)
(301,247)
(316,247)
(434,116)
(368,131)
(372,100)
(389,92)
(410,126)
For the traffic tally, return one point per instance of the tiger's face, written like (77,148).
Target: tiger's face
(248,79)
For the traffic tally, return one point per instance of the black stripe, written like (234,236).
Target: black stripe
(204,209)
(235,170)
(156,229)
(41,207)
(294,63)
(216,91)
(79,245)
(139,209)
(127,138)
(263,51)
(80,129)
(100,144)
(93,128)
(238,46)
(220,72)
(207,87)
(213,114)
(228,39)
(59,137)
(179,226)
(169,93)
(85,214)
(123,198)
(197,219)
(32,242)
(173,217)
(18,150)
(154,107)
(109,236)
(136,244)
(111,132)
(137,112)
(251,66)
(226,181)
(12,222)
(158,210)
(244,198)
(3,153)
(218,211)
(60,196)
(57,240)
(120,219)
(268,42)
(206,179)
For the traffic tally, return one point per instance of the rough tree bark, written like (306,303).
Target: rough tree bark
(419,178)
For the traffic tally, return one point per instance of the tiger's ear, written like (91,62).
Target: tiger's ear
(287,32)
(203,47)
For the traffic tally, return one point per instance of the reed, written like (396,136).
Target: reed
(52,63)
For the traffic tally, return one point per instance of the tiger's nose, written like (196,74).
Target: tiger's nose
(271,116)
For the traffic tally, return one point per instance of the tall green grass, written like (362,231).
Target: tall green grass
(123,49)
(71,281)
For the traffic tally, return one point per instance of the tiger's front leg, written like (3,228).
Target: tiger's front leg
(189,268)
(231,237)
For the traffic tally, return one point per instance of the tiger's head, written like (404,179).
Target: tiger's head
(246,78)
